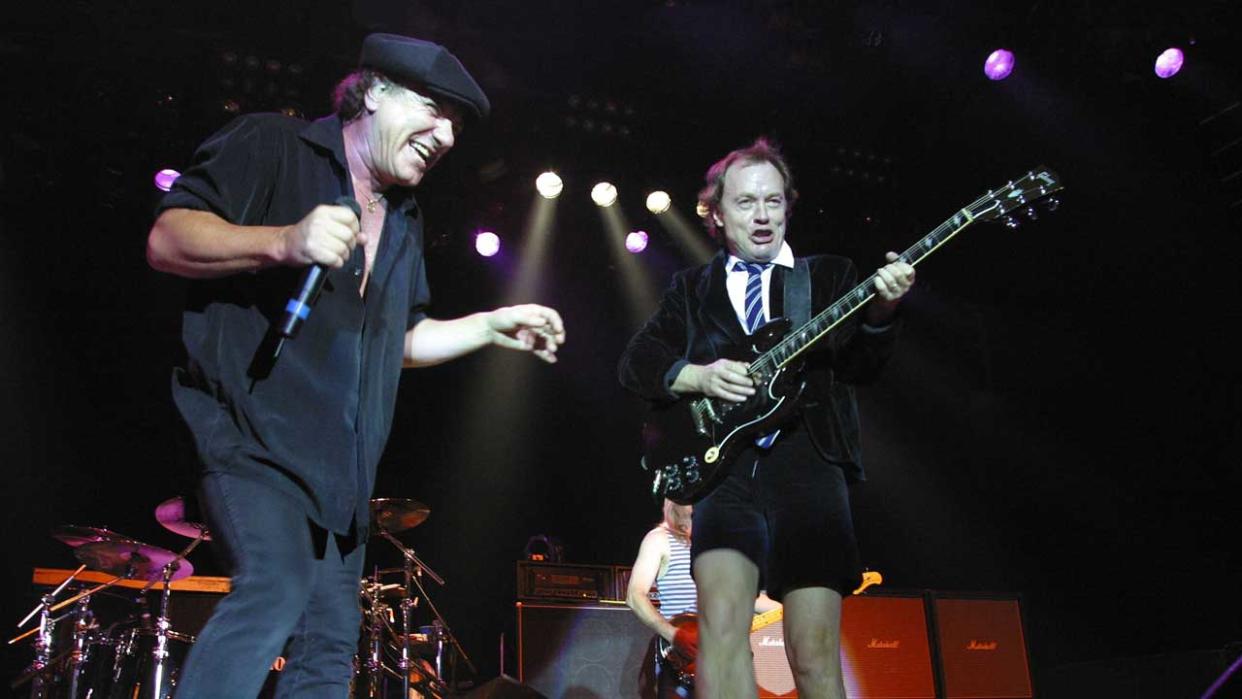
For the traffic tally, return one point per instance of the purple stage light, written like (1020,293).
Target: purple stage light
(999,64)
(636,242)
(487,243)
(1169,62)
(164,179)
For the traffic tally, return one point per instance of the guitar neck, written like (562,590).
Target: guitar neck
(795,343)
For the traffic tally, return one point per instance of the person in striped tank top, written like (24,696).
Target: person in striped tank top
(663,563)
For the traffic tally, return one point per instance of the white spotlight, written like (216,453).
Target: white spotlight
(549,185)
(604,194)
(658,202)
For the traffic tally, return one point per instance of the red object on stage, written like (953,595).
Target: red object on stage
(982,649)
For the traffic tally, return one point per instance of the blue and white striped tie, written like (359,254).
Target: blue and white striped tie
(754,315)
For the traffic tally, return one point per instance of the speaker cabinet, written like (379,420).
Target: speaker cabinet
(885,648)
(982,648)
(885,653)
(772,672)
(581,650)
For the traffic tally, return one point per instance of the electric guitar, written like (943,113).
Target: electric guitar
(687,445)
(682,663)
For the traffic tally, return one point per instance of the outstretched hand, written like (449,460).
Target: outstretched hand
(530,328)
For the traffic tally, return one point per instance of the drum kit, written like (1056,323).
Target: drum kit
(77,656)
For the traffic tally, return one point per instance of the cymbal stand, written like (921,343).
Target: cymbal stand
(411,558)
(159,687)
(43,639)
(163,624)
(375,663)
(82,627)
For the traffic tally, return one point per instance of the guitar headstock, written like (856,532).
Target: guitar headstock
(869,578)
(1038,185)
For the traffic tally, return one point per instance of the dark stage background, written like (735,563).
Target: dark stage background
(1061,418)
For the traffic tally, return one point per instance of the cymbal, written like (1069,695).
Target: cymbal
(131,559)
(394,515)
(175,516)
(75,536)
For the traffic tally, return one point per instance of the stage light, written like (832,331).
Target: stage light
(549,185)
(487,243)
(604,194)
(636,241)
(658,202)
(999,64)
(164,179)
(1169,62)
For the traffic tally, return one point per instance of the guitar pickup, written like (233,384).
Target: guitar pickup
(702,411)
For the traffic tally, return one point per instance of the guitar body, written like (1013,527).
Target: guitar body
(672,658)
(689,445)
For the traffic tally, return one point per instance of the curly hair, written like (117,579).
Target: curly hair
(349,95)
(761,151)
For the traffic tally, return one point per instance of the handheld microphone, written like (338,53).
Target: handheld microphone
(300,304)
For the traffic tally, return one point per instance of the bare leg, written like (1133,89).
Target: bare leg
(813,642)
(726,582)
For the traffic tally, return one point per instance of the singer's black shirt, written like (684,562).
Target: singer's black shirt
(312,424)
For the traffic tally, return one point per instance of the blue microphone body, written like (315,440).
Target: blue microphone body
(300,304)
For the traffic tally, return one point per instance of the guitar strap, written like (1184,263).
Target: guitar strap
(798,293)
(843,443)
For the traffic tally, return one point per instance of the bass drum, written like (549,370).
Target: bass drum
(136,672)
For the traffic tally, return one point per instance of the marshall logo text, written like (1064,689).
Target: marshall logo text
(976,645)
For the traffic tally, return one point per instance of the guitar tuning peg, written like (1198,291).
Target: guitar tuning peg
(1031,213)
(1052,204)
(1011,223)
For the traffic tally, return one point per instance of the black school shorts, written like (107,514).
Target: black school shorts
(788,511)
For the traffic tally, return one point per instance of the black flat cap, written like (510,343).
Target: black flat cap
(429,65)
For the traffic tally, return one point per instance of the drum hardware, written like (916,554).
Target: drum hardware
(170,514)
(413,568)
(83,627)
(140,663)
(375,660)
(43,640)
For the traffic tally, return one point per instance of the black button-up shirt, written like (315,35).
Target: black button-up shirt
(315,426)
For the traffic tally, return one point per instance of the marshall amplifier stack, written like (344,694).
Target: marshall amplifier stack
(576,637)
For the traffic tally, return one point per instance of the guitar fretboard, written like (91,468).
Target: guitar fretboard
(794,343)
(1036,185)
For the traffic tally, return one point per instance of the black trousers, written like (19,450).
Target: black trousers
(292,581)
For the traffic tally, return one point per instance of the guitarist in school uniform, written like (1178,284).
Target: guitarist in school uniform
(783,510)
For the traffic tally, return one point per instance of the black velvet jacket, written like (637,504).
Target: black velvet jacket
(696,323)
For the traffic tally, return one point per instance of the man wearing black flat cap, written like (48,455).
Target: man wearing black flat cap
(289,445)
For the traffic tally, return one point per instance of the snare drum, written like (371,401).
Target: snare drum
(137,674)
